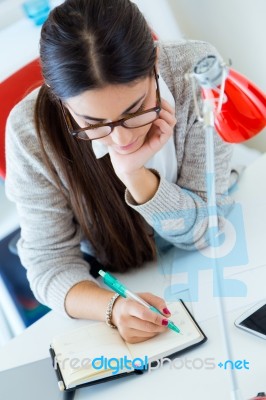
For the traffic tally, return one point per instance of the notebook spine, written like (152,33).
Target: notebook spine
(60,379)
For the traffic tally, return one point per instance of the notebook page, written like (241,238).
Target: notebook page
(169,341)
(76,349)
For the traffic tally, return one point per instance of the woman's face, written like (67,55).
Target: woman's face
(112,103)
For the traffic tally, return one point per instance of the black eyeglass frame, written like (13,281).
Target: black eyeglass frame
(74,132)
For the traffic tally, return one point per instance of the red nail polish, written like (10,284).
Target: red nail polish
(165,322)
(166,311)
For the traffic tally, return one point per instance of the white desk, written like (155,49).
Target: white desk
(185,383)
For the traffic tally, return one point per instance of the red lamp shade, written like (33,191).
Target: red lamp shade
(243,112)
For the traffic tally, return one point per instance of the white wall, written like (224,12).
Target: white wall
(167,27)
(10,11)
(238,30)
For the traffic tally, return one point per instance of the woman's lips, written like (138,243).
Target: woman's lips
(127,147)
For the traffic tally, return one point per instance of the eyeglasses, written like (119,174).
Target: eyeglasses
(98,131)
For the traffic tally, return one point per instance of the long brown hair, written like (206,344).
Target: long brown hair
(87,44)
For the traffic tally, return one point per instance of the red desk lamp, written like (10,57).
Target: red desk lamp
(241,108)
(236,109)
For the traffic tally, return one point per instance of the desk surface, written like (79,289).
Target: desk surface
(33,344)
(190,381)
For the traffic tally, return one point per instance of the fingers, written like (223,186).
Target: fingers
(163,128)
(156,302)
(135,315)
(167,120)
(136,322)
(167,107)
(147,319)
(134,329)
(136,336)
(148,327)
(167,113)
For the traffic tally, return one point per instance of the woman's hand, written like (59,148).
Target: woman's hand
(137,323)
(161,130)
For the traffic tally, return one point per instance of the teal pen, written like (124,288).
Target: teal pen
(119,288)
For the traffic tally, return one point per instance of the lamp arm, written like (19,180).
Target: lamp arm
(208,118)
(242,117)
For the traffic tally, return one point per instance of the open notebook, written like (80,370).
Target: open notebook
(96,353)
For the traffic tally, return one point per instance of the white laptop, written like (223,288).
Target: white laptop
(36,380)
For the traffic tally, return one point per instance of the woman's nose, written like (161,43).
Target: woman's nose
(121,136)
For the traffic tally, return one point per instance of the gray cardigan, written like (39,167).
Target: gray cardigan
(49,246)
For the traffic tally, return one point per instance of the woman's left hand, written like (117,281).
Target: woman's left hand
(161,130)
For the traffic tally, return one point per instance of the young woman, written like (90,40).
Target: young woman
(105,156)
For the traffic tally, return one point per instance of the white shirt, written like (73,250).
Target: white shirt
(164,161)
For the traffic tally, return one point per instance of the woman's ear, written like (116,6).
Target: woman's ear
(154,35)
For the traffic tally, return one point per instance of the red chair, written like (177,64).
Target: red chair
(12,90)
